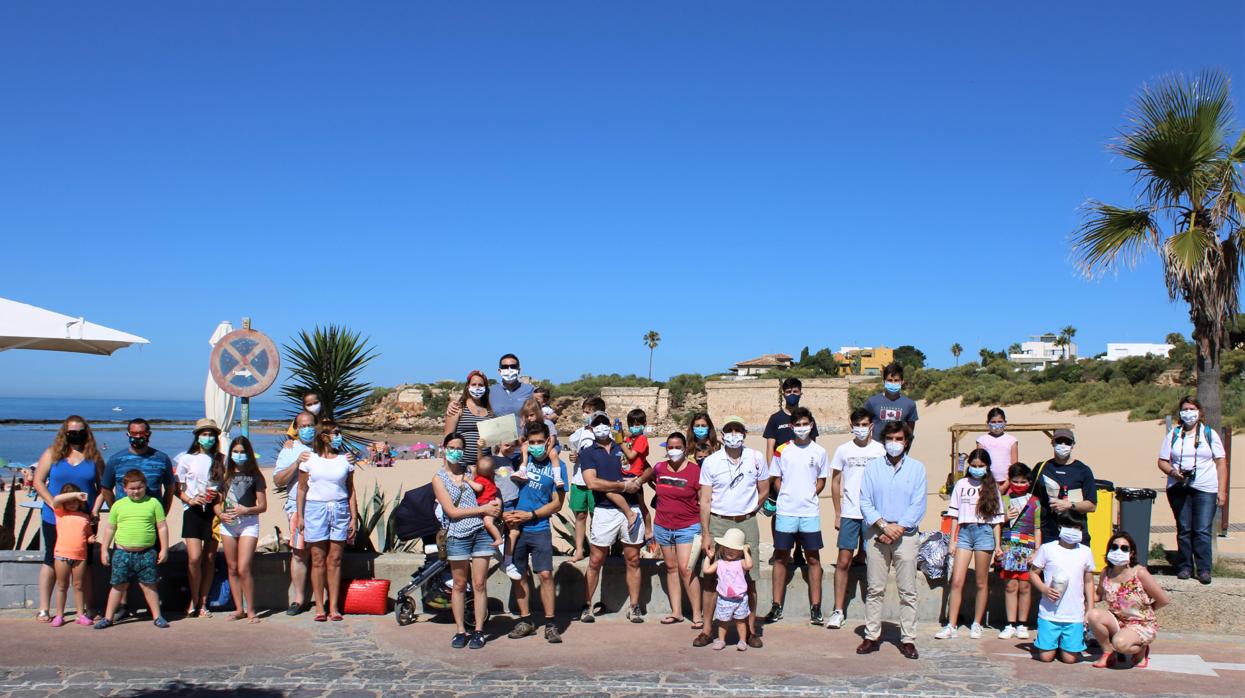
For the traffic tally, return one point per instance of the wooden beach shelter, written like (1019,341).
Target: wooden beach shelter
(25,326)
(959,430)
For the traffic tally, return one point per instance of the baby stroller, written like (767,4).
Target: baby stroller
(417,517)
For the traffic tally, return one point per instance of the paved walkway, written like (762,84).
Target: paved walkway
(372,656)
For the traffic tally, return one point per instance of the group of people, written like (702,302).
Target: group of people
(708,493)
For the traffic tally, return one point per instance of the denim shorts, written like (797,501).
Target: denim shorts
(536,546)
(666,537)
(326,521)
(975,536)
(478,544)
(128,566)
(851,533)
(805,529)
(1051,635)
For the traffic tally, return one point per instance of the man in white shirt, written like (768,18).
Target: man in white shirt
(734,481)
(285,476)
(847,468)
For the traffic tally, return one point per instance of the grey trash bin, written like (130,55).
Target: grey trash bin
(1135,508)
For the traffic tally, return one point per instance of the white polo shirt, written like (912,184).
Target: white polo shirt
(733,484)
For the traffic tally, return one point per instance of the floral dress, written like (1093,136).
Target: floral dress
(1132,607)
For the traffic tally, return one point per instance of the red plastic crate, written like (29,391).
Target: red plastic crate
(367,597)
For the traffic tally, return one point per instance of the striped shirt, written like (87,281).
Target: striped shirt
(471,434)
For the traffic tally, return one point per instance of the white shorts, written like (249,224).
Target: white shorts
(609,526)
(243,527)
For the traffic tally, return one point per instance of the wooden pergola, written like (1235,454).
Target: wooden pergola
(959,430)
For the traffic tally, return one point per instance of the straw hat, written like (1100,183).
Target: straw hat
(733,538)
(206,424)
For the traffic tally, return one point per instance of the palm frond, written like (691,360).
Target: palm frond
(329,361)
(1205,272)
(1112,235)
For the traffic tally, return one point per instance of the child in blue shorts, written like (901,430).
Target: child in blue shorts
(1064,576)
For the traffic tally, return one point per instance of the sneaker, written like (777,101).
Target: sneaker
(774,615)
(522,629)
(814,615)
(58,621)
(1184,574)
(635,615)
(513,572)
(294,609)
(702,640)
(585,616)
(1204,576)
(1022,632)
(836,620)
(718,644)
(974,631)
(742,646)
(552,636)
(1008,632)
(947,633)
(459,641)
(160,622)
(476,642)
(754,641)
(103,623)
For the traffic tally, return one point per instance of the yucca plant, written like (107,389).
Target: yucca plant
(1189,210)
(330,361)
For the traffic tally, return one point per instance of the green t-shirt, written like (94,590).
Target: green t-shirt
(134,523)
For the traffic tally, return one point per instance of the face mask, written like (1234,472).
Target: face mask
(700,432)
(998,426)
(792,400)
(602,431)
(138,443)
(306,434)
(336,441)
(1189,417)
(860,433)
(893,388)
(976,473)
(454,455)
(536,452)
(1063,450)
(207,441)
(314,409)
(1118,557)
(587,419)
(1071,536)
(894,449)
(733,440)
(636,431)
(802,432)
(476,391)
(1018,489)
(509,375)
(76,437)
(238,458)
(675,454)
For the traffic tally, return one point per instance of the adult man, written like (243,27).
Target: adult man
(733,483)
(510,393)
(891,405)
(1064,485)
(892,502)
(800,474)
(847,470)
(602,467)
(540,498)
(285,475)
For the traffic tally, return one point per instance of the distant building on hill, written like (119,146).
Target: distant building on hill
(1041,351)
(761,365)
(863,361)
(1123,350)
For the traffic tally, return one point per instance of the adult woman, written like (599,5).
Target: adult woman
(1193,459)
(676,524)
(200,472)
(704,436)
(1002,447)
(468,546)
(244,499)
(311,403)
(1128,625)
(327,513)
(465,411)
(72,458)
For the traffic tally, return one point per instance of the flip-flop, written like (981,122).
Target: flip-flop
(335,617)
(320,618)
(43,616)
(698,625)
(671,620)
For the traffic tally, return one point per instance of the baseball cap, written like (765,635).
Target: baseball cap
(1063,434)
(734,419)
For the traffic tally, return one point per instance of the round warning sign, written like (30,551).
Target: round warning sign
(245,363)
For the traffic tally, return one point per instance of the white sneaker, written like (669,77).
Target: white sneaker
(513,572)
(836,620)
(947,633)
(1008,632)
(1022,632)
(974,631)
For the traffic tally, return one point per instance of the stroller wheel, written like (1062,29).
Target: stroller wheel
(404,610)
(469,612)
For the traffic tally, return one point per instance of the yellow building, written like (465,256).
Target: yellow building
(863,361)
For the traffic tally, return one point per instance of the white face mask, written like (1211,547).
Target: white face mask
(476,391)
(602,432)
(894,449)
(1118,557)
(1063,450)
(509,375)
(1071,536)
(733,439)
(860,433)
(314,409)
(998,427)
(1189,417)
(802,432)
(675,454)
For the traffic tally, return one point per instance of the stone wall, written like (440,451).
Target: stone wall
(755,400)
(654,401)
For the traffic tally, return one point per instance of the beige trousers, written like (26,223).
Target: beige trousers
(882,557)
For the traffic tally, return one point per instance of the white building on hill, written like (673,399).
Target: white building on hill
(1121,350)
(1041,351)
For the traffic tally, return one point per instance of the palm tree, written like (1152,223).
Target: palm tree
(956,350)
(330,362)
(651,340)
(1189,211)
(1066,334)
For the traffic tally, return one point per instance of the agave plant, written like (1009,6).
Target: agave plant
(330,362)
(1189,211)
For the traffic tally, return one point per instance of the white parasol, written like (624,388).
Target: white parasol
(25,326)
(218,404)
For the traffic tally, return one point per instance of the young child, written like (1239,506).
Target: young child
(1128,625)
(541,393)
(731,562)
(244,500)
(976,509)
(581,499)
(635,448)
(486,491)
(73,534)
(1003,447)
(1020,538)
(137,525)
(1065,579)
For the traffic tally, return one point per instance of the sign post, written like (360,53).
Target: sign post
(245,363)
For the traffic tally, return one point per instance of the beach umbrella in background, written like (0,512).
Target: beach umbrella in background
(218,404)
(25,326)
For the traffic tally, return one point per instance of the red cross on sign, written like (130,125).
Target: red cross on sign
(244,363)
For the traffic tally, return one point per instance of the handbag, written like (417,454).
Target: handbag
(444,534)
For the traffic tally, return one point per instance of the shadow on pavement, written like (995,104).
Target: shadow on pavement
(181,688)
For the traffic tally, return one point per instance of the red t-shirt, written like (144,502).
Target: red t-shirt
(489,493)
(635,466)
(678,495)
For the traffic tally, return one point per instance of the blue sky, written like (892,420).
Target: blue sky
(556,179)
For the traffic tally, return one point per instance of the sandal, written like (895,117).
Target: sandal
(43,616)
(671,620)
(237,615)
(205,613)
(698,625)
(1106,661)
(320,618)
(192,612)
(1145,659)
(335,617)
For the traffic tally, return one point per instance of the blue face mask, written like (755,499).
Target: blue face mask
(636,431)
(306,434)
(536,452)
(207,441)
(454,455)
(893,388)
(976,473)
(336,441)
(238,458)
(792,400)
(700,432)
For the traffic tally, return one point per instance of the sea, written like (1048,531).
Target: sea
(28,425)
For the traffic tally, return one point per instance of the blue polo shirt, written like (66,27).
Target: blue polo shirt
(539,491)
(609,467)
(153,464)
(504,401)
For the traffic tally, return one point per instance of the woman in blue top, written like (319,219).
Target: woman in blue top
(72,458)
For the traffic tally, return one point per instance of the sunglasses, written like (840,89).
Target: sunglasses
(1124,548)
(505,366)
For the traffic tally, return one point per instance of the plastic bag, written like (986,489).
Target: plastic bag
(932,554)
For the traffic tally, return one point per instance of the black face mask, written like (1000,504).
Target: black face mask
(76,437)
(138,443)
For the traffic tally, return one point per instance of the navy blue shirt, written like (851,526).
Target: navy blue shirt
(609,467)
(153,464)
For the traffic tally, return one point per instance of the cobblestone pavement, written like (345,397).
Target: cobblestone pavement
(373,657)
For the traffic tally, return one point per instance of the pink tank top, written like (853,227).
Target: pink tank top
(731,581)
